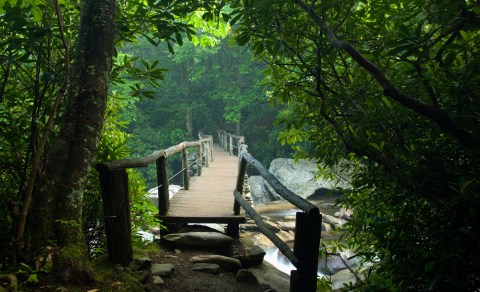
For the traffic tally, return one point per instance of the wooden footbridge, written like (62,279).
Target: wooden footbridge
(214,195)
(208,198)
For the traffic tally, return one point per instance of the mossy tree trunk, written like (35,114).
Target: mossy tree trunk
(57,209)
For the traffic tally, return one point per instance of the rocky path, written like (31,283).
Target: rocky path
(198,259)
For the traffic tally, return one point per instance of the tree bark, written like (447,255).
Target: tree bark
(60,201)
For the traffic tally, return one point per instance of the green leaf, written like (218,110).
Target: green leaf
(178,37)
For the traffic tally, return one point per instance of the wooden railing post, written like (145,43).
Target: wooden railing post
(305,248)
(162,181)
(231,145)
(116,206)
(199,159)
(233,228)
(207,152)
(211,148)
(186,173)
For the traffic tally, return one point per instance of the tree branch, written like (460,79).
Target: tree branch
(434,114)
(28,194)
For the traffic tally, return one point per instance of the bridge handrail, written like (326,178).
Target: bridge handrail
(226,141)
(115,194)
(146,161)
(307,226)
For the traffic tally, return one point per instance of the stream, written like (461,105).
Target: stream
(273,255)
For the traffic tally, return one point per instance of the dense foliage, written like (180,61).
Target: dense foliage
(390,91)
(205,89)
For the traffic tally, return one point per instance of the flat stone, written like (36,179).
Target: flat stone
(206,268)
(199,239)
(162,270)
(224,262)
(157,280)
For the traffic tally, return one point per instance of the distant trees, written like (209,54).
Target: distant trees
(391,86)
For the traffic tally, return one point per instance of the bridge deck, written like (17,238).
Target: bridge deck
(209,198)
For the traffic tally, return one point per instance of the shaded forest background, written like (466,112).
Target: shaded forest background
(387,91)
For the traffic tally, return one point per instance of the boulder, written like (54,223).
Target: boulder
(334,264)
(259,192)
(252,256)
(300,177)
(227,263)
(267,274)
(199,239)
(153,193)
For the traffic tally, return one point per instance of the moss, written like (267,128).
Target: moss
(73,266)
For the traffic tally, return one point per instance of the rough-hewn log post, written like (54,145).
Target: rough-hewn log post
(162,181)
(231,145)
(116,206)
(210,146)
(186,173)
(199,159)
(306,245)
(207,154)
(233,228)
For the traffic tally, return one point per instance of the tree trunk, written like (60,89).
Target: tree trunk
(189,122)
(60,201)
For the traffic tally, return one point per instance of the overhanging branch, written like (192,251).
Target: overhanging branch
(432,113)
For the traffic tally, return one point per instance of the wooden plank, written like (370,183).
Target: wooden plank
(209,198)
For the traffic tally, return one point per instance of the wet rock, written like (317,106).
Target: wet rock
(336,222)
(227,263)
(289,225)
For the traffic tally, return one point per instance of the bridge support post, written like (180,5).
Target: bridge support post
(199,159)
(207,154)
(116,209)
(233,228)
(186,172)
(162,182)
(305,248)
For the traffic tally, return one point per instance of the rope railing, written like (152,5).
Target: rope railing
(175,175)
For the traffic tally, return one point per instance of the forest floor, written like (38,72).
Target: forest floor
(115,278)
